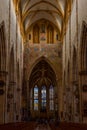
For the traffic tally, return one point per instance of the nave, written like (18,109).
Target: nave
(43,127)
(43,64)
(33,125)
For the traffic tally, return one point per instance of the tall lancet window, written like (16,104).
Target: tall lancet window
(35,97)
(43,98)
(51,97)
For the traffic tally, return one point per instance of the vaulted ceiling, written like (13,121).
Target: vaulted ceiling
(55,11)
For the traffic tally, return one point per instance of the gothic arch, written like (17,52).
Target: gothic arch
(44,63)
(41,75)
(3,72)
(2,48)
(47,60)
(83,47)
(75,87)
(83,68)
(74,65)
(11,65)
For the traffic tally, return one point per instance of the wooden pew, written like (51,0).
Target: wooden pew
(18,126)
(32,125)
(29,126)
(68,126)
(73,126)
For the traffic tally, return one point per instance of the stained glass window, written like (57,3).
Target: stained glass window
(51,92)
(35,104)
(35,98)
(51,104)
(51,97)
(43,97)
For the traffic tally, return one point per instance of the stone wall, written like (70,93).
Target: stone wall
(53,55)
(43,26)
(72,80)
(11,105)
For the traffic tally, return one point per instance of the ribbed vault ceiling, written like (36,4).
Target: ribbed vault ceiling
(29,11)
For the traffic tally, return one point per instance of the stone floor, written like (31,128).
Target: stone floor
(42,127)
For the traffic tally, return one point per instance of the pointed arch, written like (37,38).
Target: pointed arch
(2,48)
(11,65)
(43,79)
(48,62)
(3,73)
(83,48)
(74,65)
(75,87)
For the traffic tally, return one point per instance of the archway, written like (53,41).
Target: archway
(3,72)
(84,48)
(83,72)
(2,48)
(75,88)
(43,88)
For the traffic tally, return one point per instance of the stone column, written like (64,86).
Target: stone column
(18,104)
(83,96)
(3,75)
(28,100)
(11,105)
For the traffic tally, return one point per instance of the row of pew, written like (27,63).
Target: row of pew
(68,126)
(18,126)
(32,125)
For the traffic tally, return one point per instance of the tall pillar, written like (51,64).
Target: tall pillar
(28,98)
(11,104)
(18,104)
(3,75)
(83,96)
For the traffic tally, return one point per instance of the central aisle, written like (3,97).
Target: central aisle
(43,127)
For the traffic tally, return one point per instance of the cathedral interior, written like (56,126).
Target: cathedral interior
(43,61)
